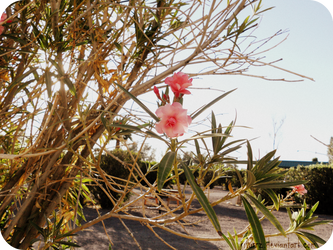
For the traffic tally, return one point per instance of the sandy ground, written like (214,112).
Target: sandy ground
(230,217)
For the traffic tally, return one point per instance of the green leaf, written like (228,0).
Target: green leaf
(196,113)
(226,132)
(67,243)
(268,214)
(279,184)
(164,168)
(197,147)
(202,199)
(274,198)
(202,136)
(309,226)
(303,242)
(20,78)
(228,241)
(258,233)
(16,39)
(65,235)
(311,211)
(312,238)
(232,240)
(138,102)
(118,46)
(249,156)
(251,179)
(215,139)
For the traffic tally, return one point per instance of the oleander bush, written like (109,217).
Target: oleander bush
(319,186)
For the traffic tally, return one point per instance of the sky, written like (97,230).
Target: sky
(305,107)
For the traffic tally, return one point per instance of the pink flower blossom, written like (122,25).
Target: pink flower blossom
(174,120)
(3,18)
(178,83)
(300,189)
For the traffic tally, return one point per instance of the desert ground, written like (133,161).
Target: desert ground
(230,216)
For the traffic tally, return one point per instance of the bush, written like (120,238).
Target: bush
(113,168)
(151,176)
(320,185)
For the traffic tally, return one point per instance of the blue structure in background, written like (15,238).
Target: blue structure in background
(289,164)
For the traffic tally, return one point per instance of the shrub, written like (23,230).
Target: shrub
(150,172)
(113,168)
(320,185)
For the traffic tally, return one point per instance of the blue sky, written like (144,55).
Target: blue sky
(306,106)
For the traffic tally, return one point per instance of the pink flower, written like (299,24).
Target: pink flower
(3,17)
(178,83)
(300,189)
(174,120)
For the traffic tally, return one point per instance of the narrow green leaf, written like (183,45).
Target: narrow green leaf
(196,113)
(272,164)
(164,169)
(118,46)
(226,132)
(138,102)
(303,242)
(241,180)
(268,178)
(232,240)
(152,134)
(65,235)
(228,241)
(258,233)
(67,243)
(70,86)
(279,184)
(313,238)
(249,156)
(274,198)
(197,147)
(202,199)
(236,239)
(202,136)
(215,139)
(309,226)
(38,228)
(311,211)
(20,78)
(251,179)
(268,214)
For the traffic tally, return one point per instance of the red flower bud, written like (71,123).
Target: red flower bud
(157,93)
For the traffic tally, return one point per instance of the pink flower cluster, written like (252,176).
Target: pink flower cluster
(174,119)
(3,17)
(299,189)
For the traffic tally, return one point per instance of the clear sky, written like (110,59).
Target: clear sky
(305,106)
